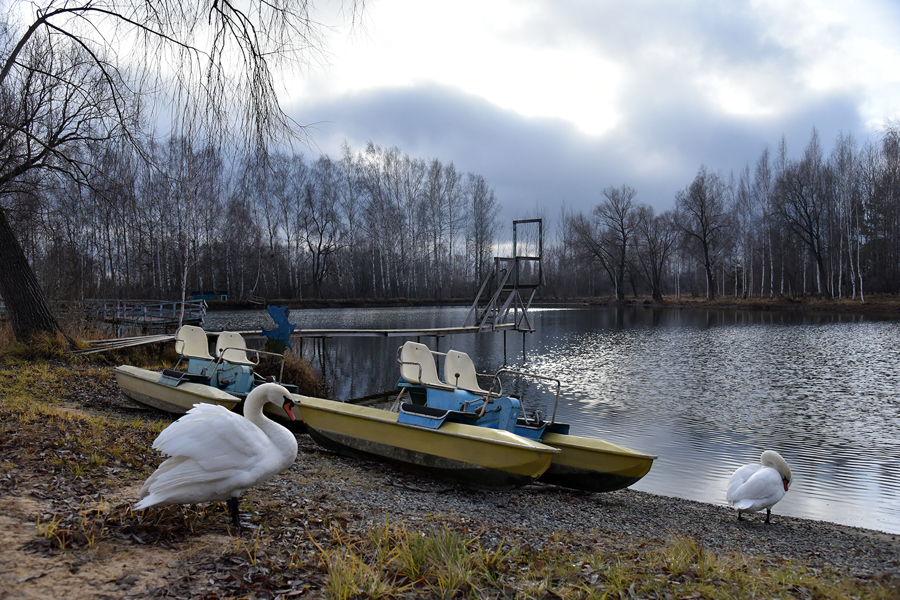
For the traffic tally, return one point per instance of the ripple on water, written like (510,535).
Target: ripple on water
(709,399)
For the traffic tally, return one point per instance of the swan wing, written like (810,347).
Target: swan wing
(761,490)
(216,438)
(739,477)
(180,480)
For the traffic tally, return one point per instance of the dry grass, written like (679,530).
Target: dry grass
(71,461)
(297,371)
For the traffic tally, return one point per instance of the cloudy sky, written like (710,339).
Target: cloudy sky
(553,101)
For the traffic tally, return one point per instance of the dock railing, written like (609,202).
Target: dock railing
(147,315)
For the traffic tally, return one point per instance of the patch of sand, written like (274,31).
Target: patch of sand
(107,570)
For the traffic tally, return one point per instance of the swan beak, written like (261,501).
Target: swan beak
(786,484)
(289,405)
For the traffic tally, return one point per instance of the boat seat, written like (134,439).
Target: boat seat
(191,342)
(417,366)
(231,347)
(459,371)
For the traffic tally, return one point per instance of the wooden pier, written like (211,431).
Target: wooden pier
(146,316)
(255,338)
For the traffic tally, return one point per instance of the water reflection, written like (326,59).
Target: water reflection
(706,390)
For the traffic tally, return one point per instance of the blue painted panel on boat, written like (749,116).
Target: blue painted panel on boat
(198,366)
(453,400)
(421,420)
(508,412)
(237,379)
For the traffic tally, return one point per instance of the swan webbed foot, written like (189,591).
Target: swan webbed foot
(235,511)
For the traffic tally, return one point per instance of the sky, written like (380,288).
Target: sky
(553,101)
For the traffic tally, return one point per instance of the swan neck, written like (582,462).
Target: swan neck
(253,411)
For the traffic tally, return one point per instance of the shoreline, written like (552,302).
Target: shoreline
(71,531)
(879,303)
(327,491)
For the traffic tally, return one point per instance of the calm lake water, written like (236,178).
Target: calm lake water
(705,390)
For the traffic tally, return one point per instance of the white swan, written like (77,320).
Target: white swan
(759,486)
(217,454)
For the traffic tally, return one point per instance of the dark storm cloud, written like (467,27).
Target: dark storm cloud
(657,149)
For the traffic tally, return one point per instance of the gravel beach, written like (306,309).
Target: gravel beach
(323,488)
(370,492)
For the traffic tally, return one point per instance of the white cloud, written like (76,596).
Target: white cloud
(478,48)
(555,100)
(841,47)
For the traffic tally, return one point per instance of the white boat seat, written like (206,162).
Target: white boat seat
(191,342)
(459,371)
(417,366)
(231,347)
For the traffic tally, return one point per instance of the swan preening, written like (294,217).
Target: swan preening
(216,454)
(760,485)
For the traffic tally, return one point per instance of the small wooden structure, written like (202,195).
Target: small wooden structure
(209,295)
(146,316)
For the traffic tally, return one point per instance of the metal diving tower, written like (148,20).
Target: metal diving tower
(511,283)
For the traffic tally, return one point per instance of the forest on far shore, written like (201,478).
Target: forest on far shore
(378,223)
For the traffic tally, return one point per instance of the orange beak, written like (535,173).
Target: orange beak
(784,481)
(289,406)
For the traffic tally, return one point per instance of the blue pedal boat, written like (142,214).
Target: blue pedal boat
(425,400)
(223,378)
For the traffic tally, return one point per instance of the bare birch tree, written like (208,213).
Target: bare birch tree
(483,226)
(802,204)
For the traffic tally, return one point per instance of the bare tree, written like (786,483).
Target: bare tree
(54,101)
(351,192)
(69,75)
(762,195)
(608,235)
(885,207)
(618,216)
(703,218)
(483,226)
(843,165)
(802,203)
(322,227)
(656,238)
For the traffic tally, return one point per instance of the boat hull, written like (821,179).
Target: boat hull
(143,386)
(473,456)
(593,465)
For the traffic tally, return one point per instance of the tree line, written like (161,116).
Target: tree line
(379,223)
(371,224)
(783,226)
(93,204)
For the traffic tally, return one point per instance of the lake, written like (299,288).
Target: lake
(705,390)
